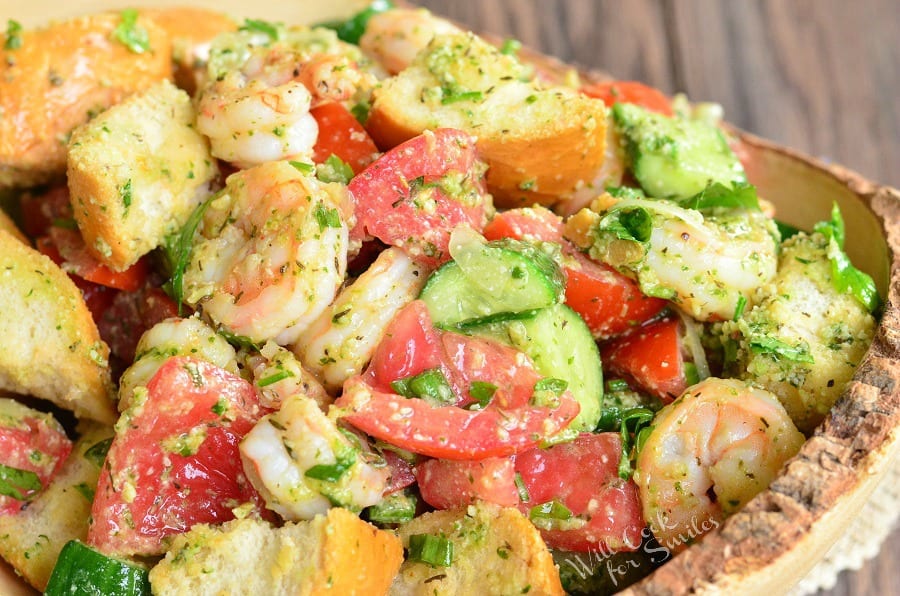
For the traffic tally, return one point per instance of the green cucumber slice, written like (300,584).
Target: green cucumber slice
(503,276)
(675,158)
(82,571)
(560,344)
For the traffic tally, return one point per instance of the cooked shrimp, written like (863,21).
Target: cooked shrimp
(342,340)
(271,252)
(709,453)
(709,265)
(302,464)
(174,337)
(256,107)
(278,375)
(394,37)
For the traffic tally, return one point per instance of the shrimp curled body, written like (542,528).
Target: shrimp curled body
(271,252)
(709,453)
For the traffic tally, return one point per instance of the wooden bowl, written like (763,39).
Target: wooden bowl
(778,537)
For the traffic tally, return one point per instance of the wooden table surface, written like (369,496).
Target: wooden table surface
(820,76)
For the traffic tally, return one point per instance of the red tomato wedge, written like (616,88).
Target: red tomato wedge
(129,315)
(174,461)
(609,302)
(33,446)
(630,92)
(583,476)
(508,423)
(39,212)
(340,134)
(651,357)
(446,484)
(416,193)
(74,258)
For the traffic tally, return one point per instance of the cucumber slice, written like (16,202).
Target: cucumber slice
(82,571)
(485,278)
(561,345)
(675,158)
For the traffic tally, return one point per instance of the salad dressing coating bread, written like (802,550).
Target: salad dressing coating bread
(60,76)
(136,172)
(822,333)
(541,144)
(32,539)
(336,553)
(496,550)
(53,349)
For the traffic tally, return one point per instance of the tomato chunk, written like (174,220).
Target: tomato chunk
(446,484)
(651,357)
(75,259)
(583,476)
(506,423)
(41,211)
(630,92)
(174,461)
(416,193)
(33,446)
(340,134)
(609,302)
(129,315)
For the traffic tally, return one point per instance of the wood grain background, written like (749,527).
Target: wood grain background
(820,76)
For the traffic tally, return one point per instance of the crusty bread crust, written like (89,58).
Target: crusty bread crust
(136,172)
(52,348)
(542,144)
(496,550)
(31,539)
(337,553)
(58,78)
(8,225)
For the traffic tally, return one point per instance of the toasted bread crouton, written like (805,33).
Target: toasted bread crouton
(337,553)
(59,77)
(541,144)
(31,539)
(496,550)
(826,331)
(136,172)
(191,29)
(8,225)
(52,349)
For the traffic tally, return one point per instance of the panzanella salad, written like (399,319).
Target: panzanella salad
(376,307)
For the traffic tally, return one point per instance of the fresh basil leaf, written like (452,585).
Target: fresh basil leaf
(833,228)
(130,34)
(634,431)
(18,484)
(327,217)
(334,170)
(353,28)
(13,35)
(177,248)
(630,223)
(771,345)
(96,453)
(740,195)
(786,230)
(848,279)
